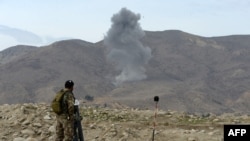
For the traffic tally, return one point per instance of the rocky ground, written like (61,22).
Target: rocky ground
(36,122)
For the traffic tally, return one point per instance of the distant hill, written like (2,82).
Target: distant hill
(14,52)
(188,72)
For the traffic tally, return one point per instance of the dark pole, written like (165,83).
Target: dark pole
(156,100)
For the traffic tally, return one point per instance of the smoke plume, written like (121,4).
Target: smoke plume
(125,48)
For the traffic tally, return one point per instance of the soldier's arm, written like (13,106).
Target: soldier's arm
(70,102)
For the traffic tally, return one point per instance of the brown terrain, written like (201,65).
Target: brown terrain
(203,83)
(36,122)
(189,73)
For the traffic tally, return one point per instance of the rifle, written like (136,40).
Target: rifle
(78,133)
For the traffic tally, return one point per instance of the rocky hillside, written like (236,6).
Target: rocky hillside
(36,122)
(188,72)
(12,53)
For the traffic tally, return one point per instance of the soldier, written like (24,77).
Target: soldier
(65,121)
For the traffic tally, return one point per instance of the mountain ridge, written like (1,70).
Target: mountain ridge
(189,72)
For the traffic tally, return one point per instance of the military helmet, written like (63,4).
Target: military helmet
(69,84)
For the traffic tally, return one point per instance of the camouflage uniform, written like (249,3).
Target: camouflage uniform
(65,121)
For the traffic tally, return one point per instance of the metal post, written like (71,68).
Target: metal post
(156,99)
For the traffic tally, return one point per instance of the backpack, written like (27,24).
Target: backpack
(57,103)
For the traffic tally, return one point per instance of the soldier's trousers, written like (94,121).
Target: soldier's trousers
(64,128)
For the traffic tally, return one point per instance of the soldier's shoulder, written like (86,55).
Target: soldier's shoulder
(68,94)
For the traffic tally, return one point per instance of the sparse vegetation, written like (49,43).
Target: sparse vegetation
(89,98)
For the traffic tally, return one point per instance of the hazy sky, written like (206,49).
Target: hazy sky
(39,22)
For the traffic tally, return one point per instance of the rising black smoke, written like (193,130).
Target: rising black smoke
(125,48)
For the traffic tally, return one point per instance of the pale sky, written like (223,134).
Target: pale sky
(40,22)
